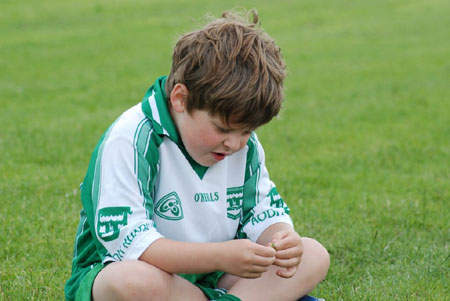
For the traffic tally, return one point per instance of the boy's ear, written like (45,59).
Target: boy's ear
(178,97)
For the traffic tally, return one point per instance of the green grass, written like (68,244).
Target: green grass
(360,152)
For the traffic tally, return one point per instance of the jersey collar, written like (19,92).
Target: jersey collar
(155,108)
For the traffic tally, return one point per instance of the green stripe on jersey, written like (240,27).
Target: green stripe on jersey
(252,175)
(146,158)
(252,157)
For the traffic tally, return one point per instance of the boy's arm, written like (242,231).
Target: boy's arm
(288,245)
(240,257)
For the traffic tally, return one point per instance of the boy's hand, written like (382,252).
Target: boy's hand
(246,259)
(289,250)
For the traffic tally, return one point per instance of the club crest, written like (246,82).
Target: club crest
(169,207)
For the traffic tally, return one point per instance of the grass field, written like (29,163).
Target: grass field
(361,151)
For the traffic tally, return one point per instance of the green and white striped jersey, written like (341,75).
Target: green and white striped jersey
(142,185)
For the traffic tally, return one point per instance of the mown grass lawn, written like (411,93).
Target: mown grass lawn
(361,151)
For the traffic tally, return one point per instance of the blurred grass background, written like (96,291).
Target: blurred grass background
(360,152)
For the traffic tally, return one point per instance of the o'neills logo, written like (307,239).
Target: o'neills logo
(110,220)
(206,197)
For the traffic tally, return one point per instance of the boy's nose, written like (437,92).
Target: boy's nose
(233,142)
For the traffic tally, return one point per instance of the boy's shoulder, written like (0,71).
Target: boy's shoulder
(129,122)
(130,132)
(255,152)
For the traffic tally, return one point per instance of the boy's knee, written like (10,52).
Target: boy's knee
(317,253)
(128,280)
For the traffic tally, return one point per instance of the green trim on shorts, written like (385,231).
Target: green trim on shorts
(228,297)
(85,283)
(207,282)
(84,292)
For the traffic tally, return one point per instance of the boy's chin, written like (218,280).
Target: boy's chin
(205,162)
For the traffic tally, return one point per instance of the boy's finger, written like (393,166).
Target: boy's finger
(265,251)
(280,245)
(286,243)
(251,275)
(259,268)
(287,263)
(287,273)
(263,261)
(272,245)
(289,253)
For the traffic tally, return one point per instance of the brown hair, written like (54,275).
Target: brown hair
(231,68)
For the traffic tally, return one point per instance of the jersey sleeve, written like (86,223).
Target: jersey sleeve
(122,181)
(262,205)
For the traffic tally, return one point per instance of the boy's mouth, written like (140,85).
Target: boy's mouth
(218,156)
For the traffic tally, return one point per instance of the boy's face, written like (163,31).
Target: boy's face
(207,139)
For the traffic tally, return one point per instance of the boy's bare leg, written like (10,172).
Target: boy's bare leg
(137,280)
(312,269)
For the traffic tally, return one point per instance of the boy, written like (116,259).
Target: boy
(177,202)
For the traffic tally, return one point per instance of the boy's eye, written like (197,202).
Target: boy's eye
(228,130)
(222,130)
